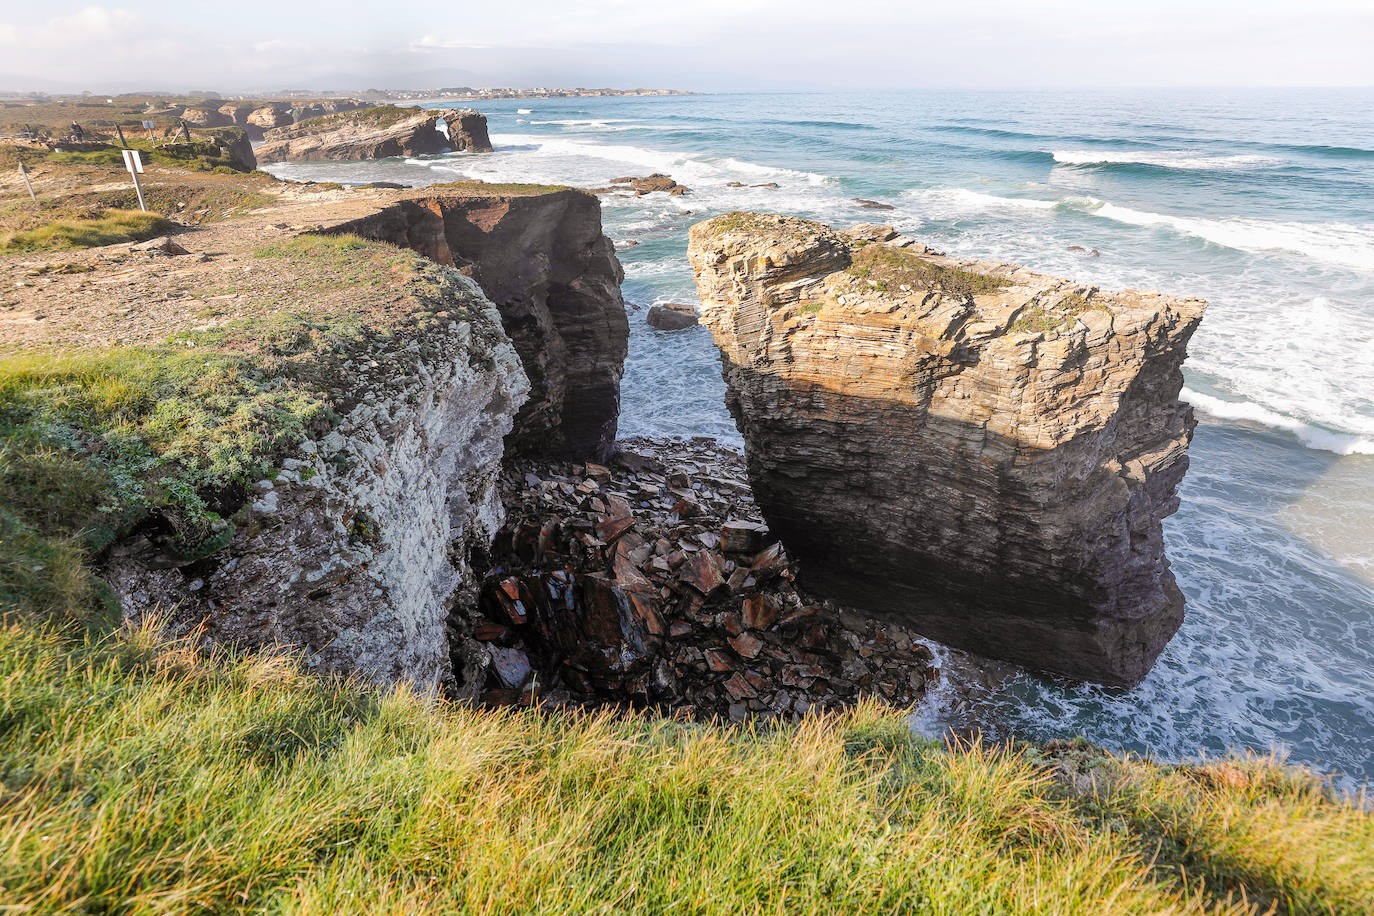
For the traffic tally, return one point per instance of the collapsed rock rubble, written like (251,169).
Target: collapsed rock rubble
(652,581)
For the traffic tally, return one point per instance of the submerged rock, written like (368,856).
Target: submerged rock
(981,452)
(541,256)
(375,133)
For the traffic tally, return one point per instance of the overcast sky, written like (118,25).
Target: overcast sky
(702,44)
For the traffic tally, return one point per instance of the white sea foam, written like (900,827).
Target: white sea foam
(524,111)
(1170,160)
(946,202)
(1309,435)
(585,122)
(1342,244)
(680,165)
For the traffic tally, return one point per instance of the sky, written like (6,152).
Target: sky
(704,45)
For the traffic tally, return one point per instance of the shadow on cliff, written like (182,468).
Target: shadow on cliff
(1052,558)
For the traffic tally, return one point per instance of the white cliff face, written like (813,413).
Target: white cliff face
(358,548)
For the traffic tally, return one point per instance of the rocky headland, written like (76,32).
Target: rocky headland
(375,133)
(981,452)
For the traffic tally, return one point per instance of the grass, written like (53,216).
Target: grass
(138,775)
(201,155)
(891,269)
(377,116)
(104,228)
(94,442)
(492,189)
(1037,317)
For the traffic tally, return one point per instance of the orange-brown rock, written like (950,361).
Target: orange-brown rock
(982,452)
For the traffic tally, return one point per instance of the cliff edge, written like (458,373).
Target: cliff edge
(977,450)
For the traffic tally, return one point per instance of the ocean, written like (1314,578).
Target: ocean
(1260,201)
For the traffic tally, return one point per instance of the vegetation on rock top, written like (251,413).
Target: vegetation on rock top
(889,269)
(143,776)
(105,228)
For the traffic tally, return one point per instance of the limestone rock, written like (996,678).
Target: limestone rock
(542,258)
(375,133)
(976,450)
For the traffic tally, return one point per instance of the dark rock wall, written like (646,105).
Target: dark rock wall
(555,279)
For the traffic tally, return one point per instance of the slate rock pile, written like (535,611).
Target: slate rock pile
(653,582)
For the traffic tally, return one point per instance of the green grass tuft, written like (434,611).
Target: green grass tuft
(140,776)
(108,228)
(889,269)
(92,442)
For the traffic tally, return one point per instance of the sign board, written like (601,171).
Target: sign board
(147,125)
(133,162)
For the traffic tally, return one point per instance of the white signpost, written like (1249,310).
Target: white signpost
(134,163)
(25,172)
(148,125)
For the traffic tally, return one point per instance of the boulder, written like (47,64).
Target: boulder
(542,258)
(670,316)
(976,450)
(374,133)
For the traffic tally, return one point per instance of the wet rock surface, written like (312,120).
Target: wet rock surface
(671,316)
(652,581)
(646,185)
(979,451)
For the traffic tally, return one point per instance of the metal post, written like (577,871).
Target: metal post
(123,144)
(138,189)
(25,172)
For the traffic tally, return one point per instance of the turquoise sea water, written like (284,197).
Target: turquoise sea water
(1261,202)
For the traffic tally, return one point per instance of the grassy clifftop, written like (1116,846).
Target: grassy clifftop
(138,776)
(171,430)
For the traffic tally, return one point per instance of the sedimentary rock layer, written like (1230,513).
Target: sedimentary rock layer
(980,451)
(542,258)
(355,549)
(375,133)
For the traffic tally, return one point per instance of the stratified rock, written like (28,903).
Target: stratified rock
(270,116)
(467,130)
(206,117)
(671,316)
(374,133)
(356,549)
(542,258)
(980,451)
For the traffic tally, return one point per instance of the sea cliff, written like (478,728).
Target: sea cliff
(979,451)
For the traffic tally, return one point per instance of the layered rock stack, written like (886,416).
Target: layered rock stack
(376,133)
(979,451)
(540,255)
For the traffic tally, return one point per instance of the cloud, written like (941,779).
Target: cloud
(428,43)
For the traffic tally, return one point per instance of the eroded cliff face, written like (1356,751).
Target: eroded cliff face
(979,451)
(359,547)
(542,258)
(375,133)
